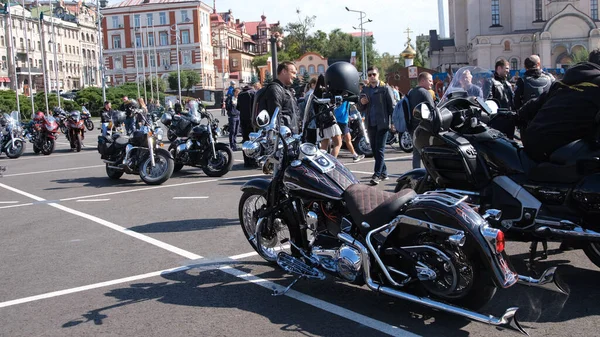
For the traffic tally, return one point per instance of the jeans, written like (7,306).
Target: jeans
(129,125)
(104,129)
(416,159)
(378,140)
(234,124)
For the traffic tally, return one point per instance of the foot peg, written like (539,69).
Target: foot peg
(296,266)
(547,281)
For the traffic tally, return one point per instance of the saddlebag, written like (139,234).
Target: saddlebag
(105,146)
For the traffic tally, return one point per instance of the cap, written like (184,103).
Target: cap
(232,82)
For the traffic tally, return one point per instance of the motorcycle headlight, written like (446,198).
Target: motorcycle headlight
(251,149)
(159,133)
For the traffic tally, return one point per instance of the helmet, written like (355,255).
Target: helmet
(118,117)
(342,78)
(166,119)
(134,104)
(39,116)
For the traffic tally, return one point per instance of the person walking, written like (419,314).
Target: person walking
(234,120)
(377,102)
(105,117)
(419,94)
(342,117)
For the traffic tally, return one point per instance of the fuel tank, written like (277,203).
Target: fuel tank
(321,177)
(500,154)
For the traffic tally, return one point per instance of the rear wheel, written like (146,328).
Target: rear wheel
(592,250)
(89,124)
(113,173)
(219,164)
(171,136)
(36,149)
(78,142)
(361,146)
(405,141)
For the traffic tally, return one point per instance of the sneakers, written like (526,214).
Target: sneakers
(358,158)
(375,180)
(384,177)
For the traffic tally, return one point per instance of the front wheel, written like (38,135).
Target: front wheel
(64,130)
(16,151)
(406,143)
(268,242)
(48,146)
(219,164)
(78,142)
(89,124)
(592,250)
(361,146)
(160,172)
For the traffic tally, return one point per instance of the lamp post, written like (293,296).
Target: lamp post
(176,30)
(275,40)
(143,59)
(363,40)
(137,72)
(27,56)
(154,39)
(101,53)
(55,55)
(12,56)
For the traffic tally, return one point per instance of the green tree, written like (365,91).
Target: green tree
(384,63)
(253,79)
(173,84)
(162,85)
(580,55)
(297,40)
(305,78)
(268,78)
(192,78)
(421,48)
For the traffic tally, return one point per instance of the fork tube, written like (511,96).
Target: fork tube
(151,150)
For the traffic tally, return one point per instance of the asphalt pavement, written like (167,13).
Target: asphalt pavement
(85,255)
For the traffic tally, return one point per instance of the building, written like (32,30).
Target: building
(234,49)
(312,63)
(483,31)
(260,32)
(75,34)
(155,30)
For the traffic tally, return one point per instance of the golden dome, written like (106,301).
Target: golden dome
(409,52)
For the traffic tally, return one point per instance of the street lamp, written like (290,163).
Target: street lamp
(275,40)
(176,30)
(362,37)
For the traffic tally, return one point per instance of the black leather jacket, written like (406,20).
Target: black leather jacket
(501,91)
(277,95)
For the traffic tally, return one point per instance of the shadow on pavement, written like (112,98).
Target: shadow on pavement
(99,182)
(184,225)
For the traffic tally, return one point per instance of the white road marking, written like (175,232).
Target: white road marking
(370,173)
(110,225)
(19,205)
(91,286)
(162,186)
(50,171)
(9,202)
(185,198)
(92,200)
(37,157)
(243,256)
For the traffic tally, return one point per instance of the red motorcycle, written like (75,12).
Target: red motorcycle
(44,133)
(75,130)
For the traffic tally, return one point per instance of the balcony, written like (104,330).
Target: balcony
(25,71)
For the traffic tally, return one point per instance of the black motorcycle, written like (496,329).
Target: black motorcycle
(314,216)
(200,149)
(403,140)
(358,133)
(556,200)
(138,154)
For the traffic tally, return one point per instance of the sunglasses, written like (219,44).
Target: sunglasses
(372,74)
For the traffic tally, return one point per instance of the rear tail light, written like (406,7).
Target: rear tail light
(494,238)
(499,242)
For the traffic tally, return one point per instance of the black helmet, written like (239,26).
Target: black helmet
(118,117)
(341,78)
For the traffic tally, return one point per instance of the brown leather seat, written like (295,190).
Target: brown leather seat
(373,206)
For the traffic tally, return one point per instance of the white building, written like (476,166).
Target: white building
(483,31)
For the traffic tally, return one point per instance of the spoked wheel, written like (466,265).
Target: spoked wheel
(89,124)
(220,165)
(48,146)
(63,129)
(362,147)
(16,151)
(267,242)
(406,143)
(160,172)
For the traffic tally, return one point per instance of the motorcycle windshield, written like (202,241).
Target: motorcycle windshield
(50,119)
(473,81)
(76,116)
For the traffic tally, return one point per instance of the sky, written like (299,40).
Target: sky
(390,17)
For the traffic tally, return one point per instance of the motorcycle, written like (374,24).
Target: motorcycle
(358,133)
(314,217)
(42,132)
(87,119)
(540,202)
(404,140)
(180,125)
(139,154)
(61,116)
(11,140)
(75,130)
(200,149)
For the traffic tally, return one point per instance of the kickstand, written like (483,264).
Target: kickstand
(533,252)
(279,293)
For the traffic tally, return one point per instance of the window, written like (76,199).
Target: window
(151,39)
(3,62)
(115,22)
(185,36)
(184,16)
(506,45)
(594,9)
(152,60)
(514,64)
(538,10)
(149,20)
(21,44)
(162,18)
(302,70)
(165,60)
(118,63)
(495,12)
(136,20)
(116,42)
(311,69)
(38,43)
(321,69)
(138,40)
(187,57)
(139,60)
(164,39)
(234,63)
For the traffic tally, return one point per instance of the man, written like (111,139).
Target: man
(465,81)
(244,106)
(129,121)
(226,106)
(533,83)
(417,95)
(105,117)
(377,102)
(234,120)
(567,112)
(501,92)
(279,95)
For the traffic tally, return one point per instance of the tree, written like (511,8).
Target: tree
(384,63)
(192,78)
(422,58)
(162,86)
(580,55)
(173,84)
(297,41)
(268,78)
(305,77)
(253,79)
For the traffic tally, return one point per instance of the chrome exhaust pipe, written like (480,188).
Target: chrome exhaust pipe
(547,281)
(576,233)
(507,321)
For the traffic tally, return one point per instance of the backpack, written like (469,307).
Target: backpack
(401,115)
(534,87)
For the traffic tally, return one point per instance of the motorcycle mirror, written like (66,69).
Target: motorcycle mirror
(421,111)
(263,119)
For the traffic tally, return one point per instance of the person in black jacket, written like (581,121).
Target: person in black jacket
(279,94)
(501,91)
(234,120)
(244,105)
(417,95)
(567,112)
(105,117)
